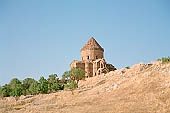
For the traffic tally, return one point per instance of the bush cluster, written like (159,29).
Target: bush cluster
(164,59)
(127,67)
(29,86)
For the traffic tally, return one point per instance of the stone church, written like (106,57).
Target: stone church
(92,60)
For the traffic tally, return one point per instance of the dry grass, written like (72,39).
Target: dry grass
(144,88)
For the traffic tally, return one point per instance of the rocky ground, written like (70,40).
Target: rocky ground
(144,88)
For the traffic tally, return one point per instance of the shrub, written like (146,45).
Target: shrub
(70,85)
(14,82)
(33,89)
(164,59)
(15,87)
(30,86)
(26,85)
(43,85)
(5,91)
(77,74)
(53,83)
(17,91)
(127,67)
(65,76)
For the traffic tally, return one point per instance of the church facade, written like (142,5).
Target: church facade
(92,60)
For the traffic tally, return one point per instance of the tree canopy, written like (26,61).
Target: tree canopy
(29,86)
(77,74)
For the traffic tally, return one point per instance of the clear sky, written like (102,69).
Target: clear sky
(41,37)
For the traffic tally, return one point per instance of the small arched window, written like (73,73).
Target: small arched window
(88,57)
(96,57)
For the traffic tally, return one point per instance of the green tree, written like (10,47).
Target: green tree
(17,91)
(33,89)
(66,76)
(57,86)
(5,91)
(16,87)
(164,59)
(26,84)
(65,79)
(127,67)
(52,79)
(70,85)
(14,82)
(53,83)
(43,85)
(77,74)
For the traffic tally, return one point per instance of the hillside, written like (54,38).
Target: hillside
(144,88)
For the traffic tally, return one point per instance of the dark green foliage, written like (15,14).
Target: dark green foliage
(57,86)
(15,87)
(52,82)
(164,59)
(66,76)
(14,82)
(5,91)
(26,85)
(30,86)
(17,91)
(43,85)
(127,67)
(77,74)
(33,88)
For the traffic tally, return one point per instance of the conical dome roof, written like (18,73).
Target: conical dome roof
(92,45)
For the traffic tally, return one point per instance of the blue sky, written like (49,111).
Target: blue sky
(41,37)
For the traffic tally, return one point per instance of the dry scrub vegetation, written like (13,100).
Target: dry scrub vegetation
(144,88)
